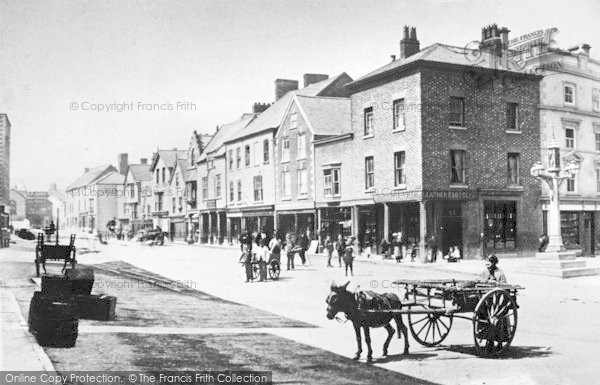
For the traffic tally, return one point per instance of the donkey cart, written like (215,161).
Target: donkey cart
(432,305)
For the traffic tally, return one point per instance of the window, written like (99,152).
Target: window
(302,182)
(368,121)
(513,168)
(286,187)
(193,157)
(457,112)
(332,182)
(176,180)
(569,137)
(238,157)
(500,224)
(180,203)
(131,187)
(458,169)
(173,205)
(294,120)
(399,177)
(571,185)
(258,191)
(247,155)
(285,149)
(218,186)
(157,176)
(399,117)
(512,119)
(301,146)
(596,99)
(239,183)
(369,172)
(257,154)
(163,175)
(231,192)
(569,93)
(597,135)
(204,188)
(266,151)
(598,180)
(230,160)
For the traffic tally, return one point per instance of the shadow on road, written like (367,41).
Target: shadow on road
(513,352)
(403,357)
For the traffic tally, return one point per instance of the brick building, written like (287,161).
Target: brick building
(440,146)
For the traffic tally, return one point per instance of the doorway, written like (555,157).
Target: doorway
(587,235)
(451,226)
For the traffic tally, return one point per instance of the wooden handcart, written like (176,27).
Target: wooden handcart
(45,251)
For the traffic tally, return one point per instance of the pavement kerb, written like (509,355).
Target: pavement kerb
(14,308)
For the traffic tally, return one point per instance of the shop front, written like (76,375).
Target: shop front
(579,227)
(297,221)
(178,228)
(336,220)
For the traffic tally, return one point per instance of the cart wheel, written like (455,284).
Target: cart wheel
(429,329)
(274,271)
(495,321)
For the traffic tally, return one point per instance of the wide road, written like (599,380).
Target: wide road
(556,340)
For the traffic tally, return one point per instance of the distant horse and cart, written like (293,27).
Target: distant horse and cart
(431,306)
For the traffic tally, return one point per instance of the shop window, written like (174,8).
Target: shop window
(500,221)
(569,227)
(513,168)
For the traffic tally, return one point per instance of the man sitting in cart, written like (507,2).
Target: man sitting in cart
(492,273)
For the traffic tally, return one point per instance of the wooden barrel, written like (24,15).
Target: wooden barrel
(82,280)
(53,321)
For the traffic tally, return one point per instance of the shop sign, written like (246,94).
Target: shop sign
(456,195)
(212,204)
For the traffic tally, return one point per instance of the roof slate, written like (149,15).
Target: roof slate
(224,133)
(327,116)
(90,176)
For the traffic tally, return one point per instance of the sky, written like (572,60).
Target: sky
(61,61)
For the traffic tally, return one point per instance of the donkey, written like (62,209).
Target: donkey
(341,300)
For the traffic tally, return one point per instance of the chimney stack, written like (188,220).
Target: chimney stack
(144,160)
(393,57)
(86,170)
(409,45)
(314,78)
(494,39)
(283,86)
(123,163)
(257,108)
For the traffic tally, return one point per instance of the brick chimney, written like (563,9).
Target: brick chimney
(314,78)
(144,160)
(257,108)
(123,163)
(283,86)
(409,45)
(586,49)
(494,39)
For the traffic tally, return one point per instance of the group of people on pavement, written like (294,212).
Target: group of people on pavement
(264,250)
(343,249)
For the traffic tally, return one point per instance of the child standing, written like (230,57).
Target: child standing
(348,257)
(262,256)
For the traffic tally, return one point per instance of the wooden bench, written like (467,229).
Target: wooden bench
(44,252)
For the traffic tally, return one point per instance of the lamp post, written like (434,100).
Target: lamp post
(554,175)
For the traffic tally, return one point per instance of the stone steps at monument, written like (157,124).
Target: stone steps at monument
(557,264)
(561,273)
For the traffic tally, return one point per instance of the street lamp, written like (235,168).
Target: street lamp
(554,175)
